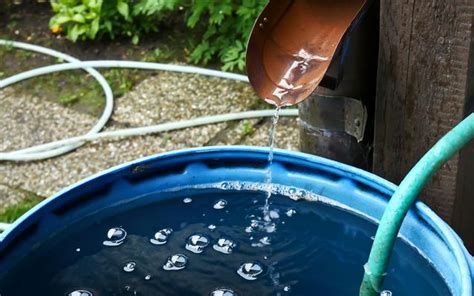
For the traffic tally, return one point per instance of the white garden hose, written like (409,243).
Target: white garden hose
(109,98)
(56,148)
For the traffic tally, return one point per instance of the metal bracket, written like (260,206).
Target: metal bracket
(335,113)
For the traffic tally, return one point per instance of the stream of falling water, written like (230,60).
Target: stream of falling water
(268,176)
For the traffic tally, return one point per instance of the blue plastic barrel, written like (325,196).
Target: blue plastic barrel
(359,192)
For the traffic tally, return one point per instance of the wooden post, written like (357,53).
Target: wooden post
(425,87)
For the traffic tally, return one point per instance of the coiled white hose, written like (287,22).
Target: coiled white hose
(109,99)
(56,148)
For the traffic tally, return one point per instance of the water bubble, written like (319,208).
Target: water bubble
(274,214)
(222,292)
(129,267)
(80,293)
(115,236)
(224,245)
(176,262)
(270,228)
(301,194)
(187,200)
(250,271)
(211,227)
(220,204)
(225,185)
(78,249)
(147,277)
(286,288)
(196,243)
(264,241)
(161,237)
(290,212)
(386,293)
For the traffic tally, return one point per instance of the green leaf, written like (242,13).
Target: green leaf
(78,18)
(94,28)
(73,33)
(123,9)
(135,39)
(60,19)
(108,25)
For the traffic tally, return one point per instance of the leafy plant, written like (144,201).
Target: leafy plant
(223,26)
(89,19)
(229,23)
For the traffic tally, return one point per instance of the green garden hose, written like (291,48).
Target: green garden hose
(404,197)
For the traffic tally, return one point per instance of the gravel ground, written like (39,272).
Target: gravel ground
(25,121)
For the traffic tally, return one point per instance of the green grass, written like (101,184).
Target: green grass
(12,213)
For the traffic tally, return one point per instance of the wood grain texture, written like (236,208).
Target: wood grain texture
(422,91)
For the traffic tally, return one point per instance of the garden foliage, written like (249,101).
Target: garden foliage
(221,27)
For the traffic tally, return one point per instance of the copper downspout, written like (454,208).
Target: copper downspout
(292,45)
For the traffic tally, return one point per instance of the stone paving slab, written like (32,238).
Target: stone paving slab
(25,121)
(162,98)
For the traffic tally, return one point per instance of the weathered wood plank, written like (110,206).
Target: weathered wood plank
(422,92)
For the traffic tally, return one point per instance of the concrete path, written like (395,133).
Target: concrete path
(166,97)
